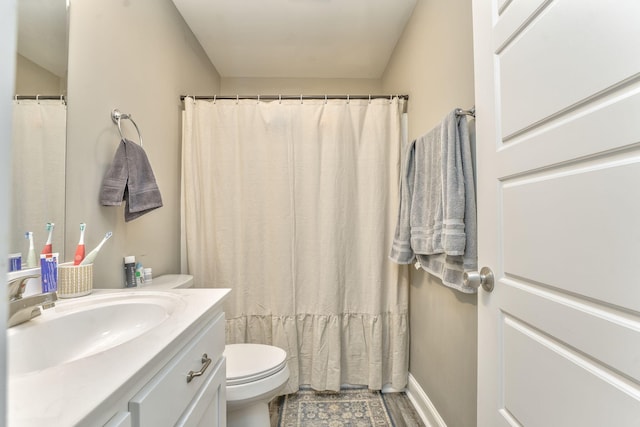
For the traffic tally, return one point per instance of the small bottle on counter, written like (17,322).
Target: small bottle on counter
(148,275)
(139,274)
(130,272)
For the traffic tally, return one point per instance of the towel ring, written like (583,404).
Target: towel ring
(116,116)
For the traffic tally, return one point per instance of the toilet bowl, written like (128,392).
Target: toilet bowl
(256,373)
(169,281)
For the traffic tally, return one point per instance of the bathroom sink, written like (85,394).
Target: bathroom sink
(84,327)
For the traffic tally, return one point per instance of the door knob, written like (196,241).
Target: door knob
(484,278)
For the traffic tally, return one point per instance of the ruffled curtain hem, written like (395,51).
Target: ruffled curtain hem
(326,351)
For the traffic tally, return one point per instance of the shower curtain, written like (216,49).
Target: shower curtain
(292,205)
(38,174)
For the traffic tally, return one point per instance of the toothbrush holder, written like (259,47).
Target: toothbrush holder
(74,280)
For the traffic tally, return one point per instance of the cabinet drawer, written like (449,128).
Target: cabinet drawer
(121,419)
(209,407)
(163,400)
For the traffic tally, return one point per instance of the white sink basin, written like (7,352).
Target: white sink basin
(78,329)
(76,362)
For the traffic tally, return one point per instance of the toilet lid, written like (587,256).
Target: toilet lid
(252,362)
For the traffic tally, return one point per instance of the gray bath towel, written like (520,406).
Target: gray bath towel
(131,178)
(437,213)
(401,250)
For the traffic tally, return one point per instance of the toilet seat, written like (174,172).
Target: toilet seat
(248,363)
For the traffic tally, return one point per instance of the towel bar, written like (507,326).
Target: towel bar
(116,116)
(471,112)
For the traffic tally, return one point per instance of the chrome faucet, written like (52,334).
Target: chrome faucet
(22,309)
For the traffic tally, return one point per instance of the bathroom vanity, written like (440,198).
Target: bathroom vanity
(121,358)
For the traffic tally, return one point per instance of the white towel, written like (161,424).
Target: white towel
(437,213)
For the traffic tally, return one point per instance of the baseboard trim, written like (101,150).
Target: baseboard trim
(425,409)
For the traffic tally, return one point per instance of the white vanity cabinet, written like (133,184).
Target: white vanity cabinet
(125,369)
(190,389)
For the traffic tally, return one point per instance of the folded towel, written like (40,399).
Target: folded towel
(131,178)
(451,268)
(437,213)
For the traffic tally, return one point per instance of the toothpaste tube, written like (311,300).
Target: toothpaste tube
(49,272)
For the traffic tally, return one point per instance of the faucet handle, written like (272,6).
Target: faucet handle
(17,282)
(24,309)
(50,301)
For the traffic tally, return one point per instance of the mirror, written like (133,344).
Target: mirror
(39,126)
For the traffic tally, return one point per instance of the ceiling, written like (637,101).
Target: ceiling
(297,38)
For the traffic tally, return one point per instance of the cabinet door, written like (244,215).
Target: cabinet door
(209,406)
(162,401)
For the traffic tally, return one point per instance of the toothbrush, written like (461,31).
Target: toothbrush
(48,247)
(92,255)
(80,249)
(31,255)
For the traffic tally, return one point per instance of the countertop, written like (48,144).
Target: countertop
(90,390)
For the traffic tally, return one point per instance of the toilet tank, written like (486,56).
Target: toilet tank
(170,281)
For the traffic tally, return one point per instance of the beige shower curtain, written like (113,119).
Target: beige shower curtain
(293,206)
(38,179)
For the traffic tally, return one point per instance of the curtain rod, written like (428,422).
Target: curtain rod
(36,97)
(300,97)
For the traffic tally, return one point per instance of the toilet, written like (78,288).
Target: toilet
(256,373)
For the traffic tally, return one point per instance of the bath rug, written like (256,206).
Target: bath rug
(349,408)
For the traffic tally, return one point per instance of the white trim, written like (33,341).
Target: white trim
(425,409)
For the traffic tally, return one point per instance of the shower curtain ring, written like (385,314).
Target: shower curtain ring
(237,99)
(369,98)
(279,99)
(300,99)
(215,98)
(258,100)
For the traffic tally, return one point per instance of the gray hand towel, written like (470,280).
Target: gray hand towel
(131,178)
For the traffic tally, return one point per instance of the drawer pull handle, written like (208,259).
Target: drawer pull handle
(206,361)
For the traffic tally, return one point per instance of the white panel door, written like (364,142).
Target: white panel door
(558,144)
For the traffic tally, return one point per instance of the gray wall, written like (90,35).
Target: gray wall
(32,79)
(433,63)
(299,86)
(137,56)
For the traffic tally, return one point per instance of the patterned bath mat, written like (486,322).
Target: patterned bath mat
(349,408)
